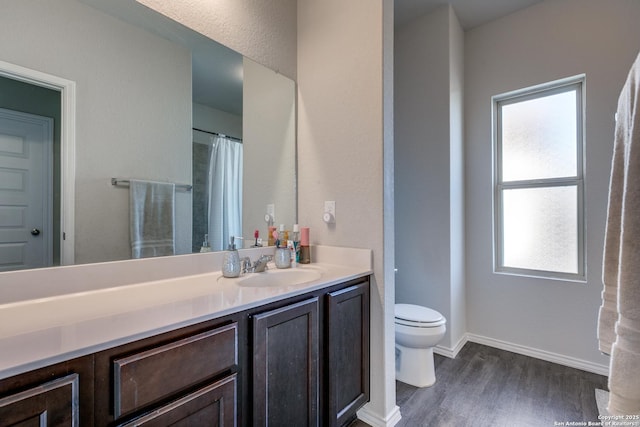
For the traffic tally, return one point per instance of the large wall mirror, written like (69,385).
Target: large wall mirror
(152,98)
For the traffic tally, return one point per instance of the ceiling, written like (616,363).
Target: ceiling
(471,13)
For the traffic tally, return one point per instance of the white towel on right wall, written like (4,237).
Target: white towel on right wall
(619,320)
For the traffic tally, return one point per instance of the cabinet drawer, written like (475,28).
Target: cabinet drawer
(149,376)
(213,405)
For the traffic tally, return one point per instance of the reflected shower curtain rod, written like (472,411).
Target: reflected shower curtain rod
(218,134)
(125,182)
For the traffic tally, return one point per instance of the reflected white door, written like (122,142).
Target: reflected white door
(26,190)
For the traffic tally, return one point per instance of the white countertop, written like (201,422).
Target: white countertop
(42,331)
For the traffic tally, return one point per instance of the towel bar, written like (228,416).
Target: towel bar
(125,182)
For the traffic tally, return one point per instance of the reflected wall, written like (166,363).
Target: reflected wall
(126,126)
(134,116)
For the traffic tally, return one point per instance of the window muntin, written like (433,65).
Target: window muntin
(539,218)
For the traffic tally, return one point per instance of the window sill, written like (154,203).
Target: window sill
(544,275)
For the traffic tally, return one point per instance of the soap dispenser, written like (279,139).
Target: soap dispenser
(231,261)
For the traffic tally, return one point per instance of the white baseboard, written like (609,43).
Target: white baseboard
(375,420)
(560,359)
(451,353)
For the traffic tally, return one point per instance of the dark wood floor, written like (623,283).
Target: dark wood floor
(484,386)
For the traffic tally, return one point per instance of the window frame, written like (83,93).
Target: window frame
(578,84)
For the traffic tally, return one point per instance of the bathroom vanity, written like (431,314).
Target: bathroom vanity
(193,349)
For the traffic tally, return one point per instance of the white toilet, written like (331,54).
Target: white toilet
(418,330)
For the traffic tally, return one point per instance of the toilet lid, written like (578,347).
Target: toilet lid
(417,313)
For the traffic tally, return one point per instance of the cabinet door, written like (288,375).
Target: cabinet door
(213,405)
(347,353)
(53,403)
(285,365)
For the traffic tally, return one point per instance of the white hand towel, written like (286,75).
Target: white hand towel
(152,218)
(622,256)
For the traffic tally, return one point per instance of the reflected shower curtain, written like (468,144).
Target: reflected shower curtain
(224,188)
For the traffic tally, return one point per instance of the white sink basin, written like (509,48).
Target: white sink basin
(279,277)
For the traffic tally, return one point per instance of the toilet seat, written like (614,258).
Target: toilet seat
(418,316)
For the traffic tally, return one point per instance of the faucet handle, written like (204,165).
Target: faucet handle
(266,259)
(246,264)
(261,263)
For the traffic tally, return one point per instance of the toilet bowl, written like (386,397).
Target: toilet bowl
(418,330)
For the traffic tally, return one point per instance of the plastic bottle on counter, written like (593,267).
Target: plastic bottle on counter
(292,254)
(284,235)
(305,250)
(271,241)
(295,237)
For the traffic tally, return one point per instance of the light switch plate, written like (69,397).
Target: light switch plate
(329,214)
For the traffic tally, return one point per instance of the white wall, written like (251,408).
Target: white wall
(344,107)
(548,41)
(268,129)
(338,51)
(264,30)
(429,177)
(342,55)
(214,120)
(269,106)
(458,322)
(120,119)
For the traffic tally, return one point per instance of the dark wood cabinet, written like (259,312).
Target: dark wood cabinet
(327,334)
(53,403)
(149,376)
(58,395)
(285,365)
(184,375)
(213,405)
(346,353)
(299,361)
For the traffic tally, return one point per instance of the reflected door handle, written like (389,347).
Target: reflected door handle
(35,232)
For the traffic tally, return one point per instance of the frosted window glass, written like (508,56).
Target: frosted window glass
(540,227)
(539,138)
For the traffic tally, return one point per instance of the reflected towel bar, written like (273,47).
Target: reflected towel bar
(125,182)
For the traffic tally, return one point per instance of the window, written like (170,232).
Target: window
(539,215)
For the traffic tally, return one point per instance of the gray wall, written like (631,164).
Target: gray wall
(552,319)
(133,106)
(429,168)
(345,140)
(270,147)
(549,41)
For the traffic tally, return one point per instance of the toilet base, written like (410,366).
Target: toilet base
(414,366)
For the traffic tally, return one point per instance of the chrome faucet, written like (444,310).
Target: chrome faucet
(258,267)
(261,263)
